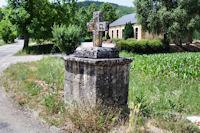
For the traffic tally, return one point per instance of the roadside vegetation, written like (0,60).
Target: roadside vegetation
(41,49)
(167,87)
(143,46)
(164,88)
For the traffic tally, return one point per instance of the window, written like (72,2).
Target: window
(136,33)
(117,33)
(112,33)
(122,33)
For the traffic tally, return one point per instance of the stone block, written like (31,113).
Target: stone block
(96,52)
(94,79)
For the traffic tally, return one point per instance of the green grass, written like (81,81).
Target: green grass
(3,43)
(42,83)
(166,85)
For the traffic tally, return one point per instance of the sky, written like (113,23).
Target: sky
(2,3)
(119,2)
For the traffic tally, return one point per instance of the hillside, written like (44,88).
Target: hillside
(121,10)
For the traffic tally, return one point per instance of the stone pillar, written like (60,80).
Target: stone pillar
(96,73)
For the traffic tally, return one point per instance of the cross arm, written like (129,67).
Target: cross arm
(90,26)
(102,26)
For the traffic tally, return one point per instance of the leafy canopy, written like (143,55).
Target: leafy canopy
(109,13)
(7,30)
(34,18)
(175,18)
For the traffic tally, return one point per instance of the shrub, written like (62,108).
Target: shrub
(67,38)
(107,36)
(156,46)
(7,31)
(142,46)
(115,40)
(128,31)
(88,39)
(104,39)
(39,49)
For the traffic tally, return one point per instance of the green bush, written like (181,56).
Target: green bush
(115,40)
(67,38)
(7,31)
(128,31)
(104,39)
(88,39)
(142,46)
(107,36)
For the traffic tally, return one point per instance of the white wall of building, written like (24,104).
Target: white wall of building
(113,31)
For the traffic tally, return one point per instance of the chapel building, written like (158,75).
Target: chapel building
(117,27)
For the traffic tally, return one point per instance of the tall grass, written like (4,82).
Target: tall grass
(166,85)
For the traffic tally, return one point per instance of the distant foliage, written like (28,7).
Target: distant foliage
(121,10)
(109,12)
(7,31)
(67,38)
(142,46)
(128,31)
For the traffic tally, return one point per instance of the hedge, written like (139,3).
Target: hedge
(142,46)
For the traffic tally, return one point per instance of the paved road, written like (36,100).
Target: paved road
(7,51)
(13,120)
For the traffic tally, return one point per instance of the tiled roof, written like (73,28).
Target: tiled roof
(125,19)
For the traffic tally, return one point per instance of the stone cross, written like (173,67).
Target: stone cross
(97,27)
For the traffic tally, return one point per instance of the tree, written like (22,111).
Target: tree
(65,11)
(34,18)
(1,15)
(83,16)
(128,31)
(109,12)
(107,36)
(7,31)
(92,8)
(25,14)
(173,18)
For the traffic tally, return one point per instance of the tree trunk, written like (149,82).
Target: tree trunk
(166,39)
(190,36)
(26,41)
(180,42)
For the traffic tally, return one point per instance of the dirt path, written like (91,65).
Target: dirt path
(13,119)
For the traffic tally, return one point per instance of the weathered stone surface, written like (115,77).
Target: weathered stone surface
(97,73)
(94,79)
(96,52)
(97,27)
